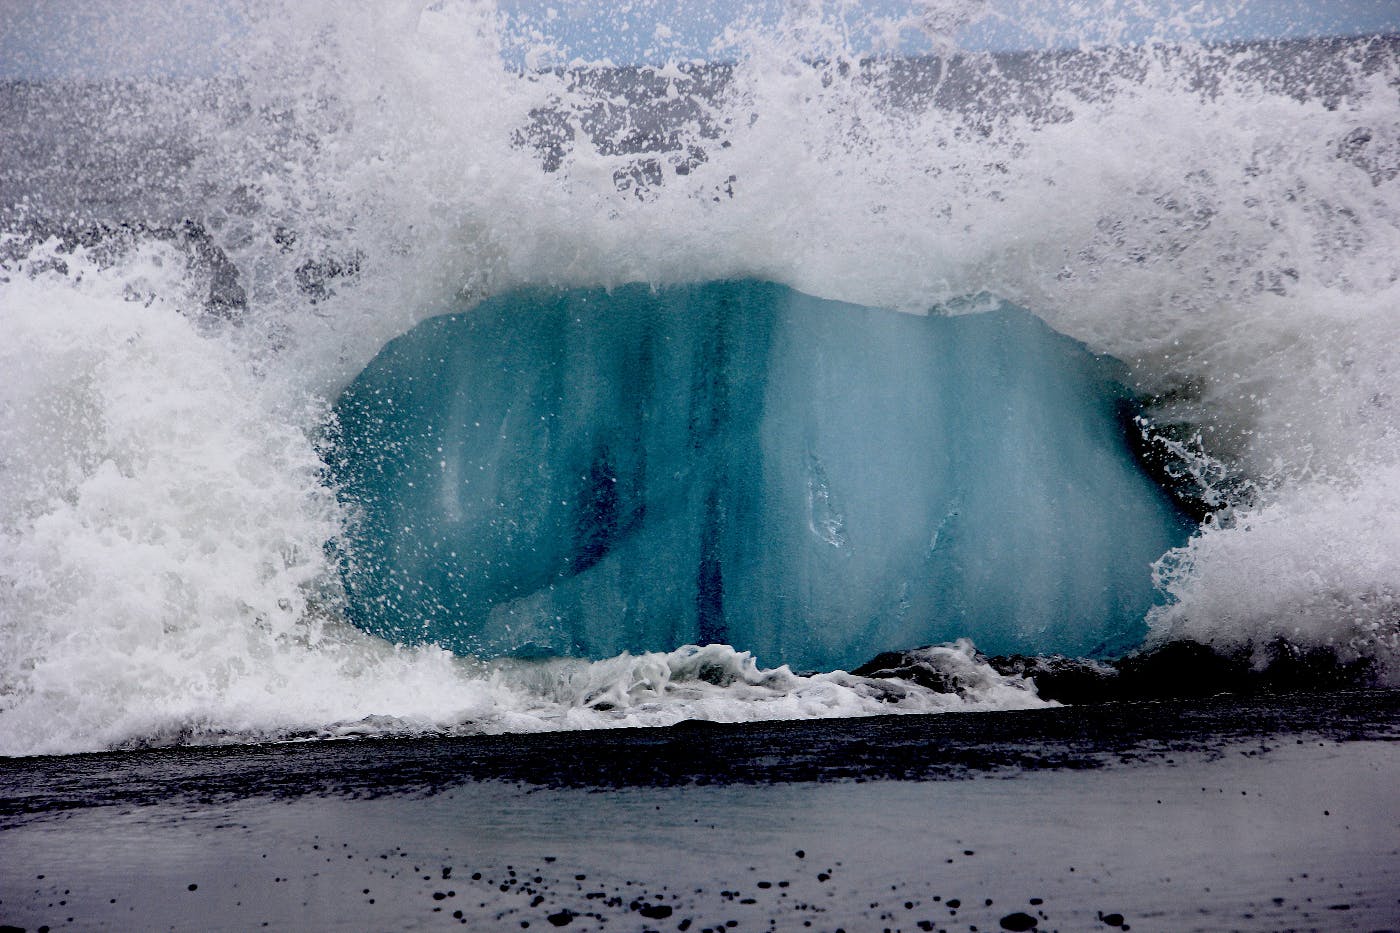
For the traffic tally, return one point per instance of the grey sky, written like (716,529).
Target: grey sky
(626,31)
(101,38)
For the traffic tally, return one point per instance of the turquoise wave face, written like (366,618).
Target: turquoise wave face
(587,472)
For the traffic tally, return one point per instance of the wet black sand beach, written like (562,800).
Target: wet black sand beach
(1261,814)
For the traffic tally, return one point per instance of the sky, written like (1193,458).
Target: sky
(105,38)
(626,31)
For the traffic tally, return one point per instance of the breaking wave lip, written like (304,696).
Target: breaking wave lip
(162,567)
(712,683)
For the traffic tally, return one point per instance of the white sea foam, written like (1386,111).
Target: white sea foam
(164,573)
(162,568)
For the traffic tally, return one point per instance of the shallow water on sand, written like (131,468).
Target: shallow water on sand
(972,822)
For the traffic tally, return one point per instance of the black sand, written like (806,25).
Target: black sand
(1263,814)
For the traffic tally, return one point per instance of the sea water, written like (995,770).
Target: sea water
(1165,269)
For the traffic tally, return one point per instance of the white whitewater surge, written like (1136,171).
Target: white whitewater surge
(163,561)
(163,574)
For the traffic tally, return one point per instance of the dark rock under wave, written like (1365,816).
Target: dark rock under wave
(1174,670)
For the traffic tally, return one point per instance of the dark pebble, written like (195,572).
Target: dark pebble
(1018,921)
(562,919)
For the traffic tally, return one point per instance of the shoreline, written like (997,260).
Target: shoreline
(1271,813)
